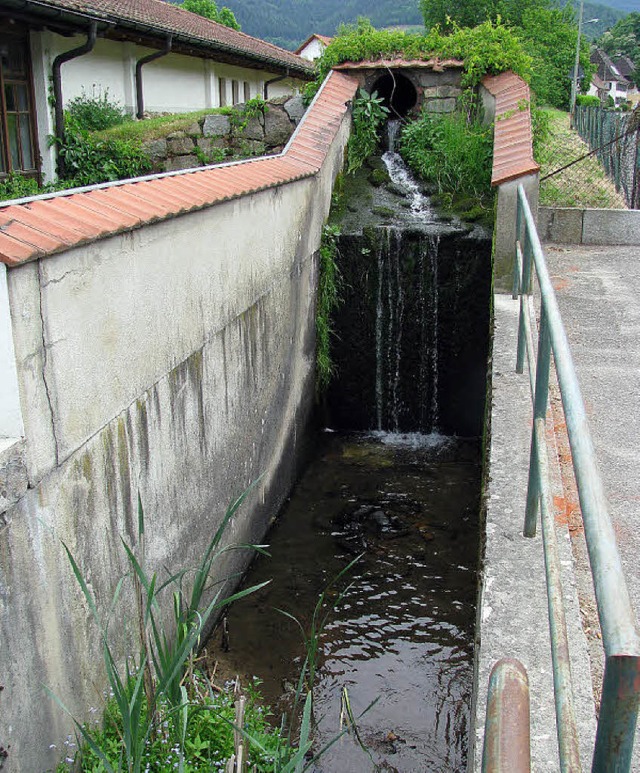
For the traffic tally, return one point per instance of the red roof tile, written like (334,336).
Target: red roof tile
(160,17)
(512,135)
(438,65)
(55,223)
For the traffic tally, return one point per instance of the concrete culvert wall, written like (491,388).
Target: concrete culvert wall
(398,93)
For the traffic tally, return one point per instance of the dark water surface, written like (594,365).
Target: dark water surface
(404,631)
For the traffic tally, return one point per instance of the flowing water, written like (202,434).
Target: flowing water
(403,634)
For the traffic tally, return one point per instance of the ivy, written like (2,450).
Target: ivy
(329,281)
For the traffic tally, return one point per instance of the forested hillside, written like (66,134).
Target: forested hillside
(289,22)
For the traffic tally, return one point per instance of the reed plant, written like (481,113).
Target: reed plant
(149,693)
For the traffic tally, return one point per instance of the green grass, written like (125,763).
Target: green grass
(158,127)
(585,184)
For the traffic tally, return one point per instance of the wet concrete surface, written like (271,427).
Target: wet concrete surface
(403,633)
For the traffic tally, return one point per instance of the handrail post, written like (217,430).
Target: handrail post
(525,290)
(618,715)
(539,412)
(517,280)
(507,745)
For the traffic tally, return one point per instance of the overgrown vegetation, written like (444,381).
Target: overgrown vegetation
(487,48)
(90,159)
(164,714)
(158,707)
(328,300)
(454,152)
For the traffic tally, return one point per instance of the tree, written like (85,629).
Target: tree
(470,13)
(209,10)
(623,39)
(548,34)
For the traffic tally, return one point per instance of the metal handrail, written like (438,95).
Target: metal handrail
(621,684)
(507,742)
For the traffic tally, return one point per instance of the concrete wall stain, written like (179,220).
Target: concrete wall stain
(190,438)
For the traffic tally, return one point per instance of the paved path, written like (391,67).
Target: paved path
(598,290)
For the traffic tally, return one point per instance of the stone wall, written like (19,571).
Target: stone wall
(223,137)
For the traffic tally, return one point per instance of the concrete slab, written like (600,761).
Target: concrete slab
(513,616)
(611,226)
(561,225)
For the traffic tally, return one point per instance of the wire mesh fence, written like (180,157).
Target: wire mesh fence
(616,139)
(572,174)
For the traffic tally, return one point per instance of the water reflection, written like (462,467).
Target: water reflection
(404,631)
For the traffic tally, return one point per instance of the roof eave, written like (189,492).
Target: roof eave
(79,20)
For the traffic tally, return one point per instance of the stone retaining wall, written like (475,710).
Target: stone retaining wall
(218,137)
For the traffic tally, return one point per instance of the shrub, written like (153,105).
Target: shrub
(451,151)
(95,113)
(586,100)
(89,160)
(368,116)
(17,186)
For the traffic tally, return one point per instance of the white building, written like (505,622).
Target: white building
(150,56)
(313,47)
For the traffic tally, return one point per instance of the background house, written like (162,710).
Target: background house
(313,47)
(151,56)
(612,78)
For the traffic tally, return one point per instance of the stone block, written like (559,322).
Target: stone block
(208,144)
(254,130)
(194,130)
(560,225)
(216,125)
(441,105)
(181,162)
(157,149)
(611,226)
(449,91)
(277,127)
(295,108)
(180,146)
(430,92)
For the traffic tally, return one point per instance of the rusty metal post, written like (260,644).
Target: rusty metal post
(507,747)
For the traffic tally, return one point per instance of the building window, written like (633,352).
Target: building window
(235,92)
(222,91)
(16,106)
(247,91)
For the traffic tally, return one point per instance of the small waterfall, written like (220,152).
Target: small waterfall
(406,391)
(433,258)
(393,130)
(421,208)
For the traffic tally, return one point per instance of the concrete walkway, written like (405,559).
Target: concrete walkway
(598,290)
(512,615)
